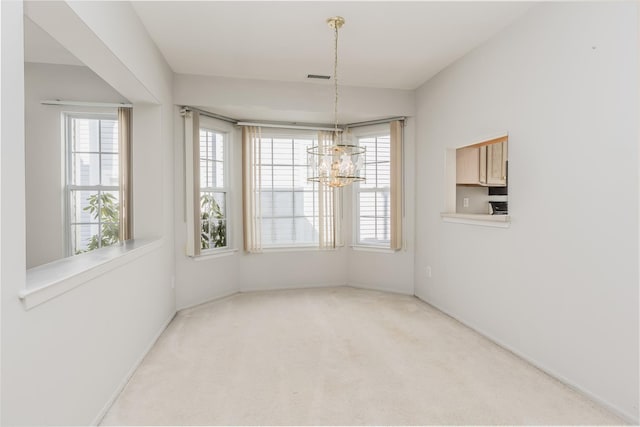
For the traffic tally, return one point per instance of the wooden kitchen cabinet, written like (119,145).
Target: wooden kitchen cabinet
(484,165)
(497,164)
(468,165)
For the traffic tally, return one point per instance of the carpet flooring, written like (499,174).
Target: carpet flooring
(337,356)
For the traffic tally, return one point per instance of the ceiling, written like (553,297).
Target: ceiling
(39,46)
(383,44)
(397,45)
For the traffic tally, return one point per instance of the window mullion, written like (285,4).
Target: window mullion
(99,219)
(212,156)
(100,152)
(274,231)
(293,191)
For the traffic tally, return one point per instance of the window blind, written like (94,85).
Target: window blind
(282,208)
(379,200)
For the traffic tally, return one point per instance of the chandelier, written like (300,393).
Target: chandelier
(335,163)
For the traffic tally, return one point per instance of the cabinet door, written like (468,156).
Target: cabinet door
(483,165)
(497,164)
(467,165)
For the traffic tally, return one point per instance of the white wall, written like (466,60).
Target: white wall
(291,102)
(560,286)
(198,281)
(386,271)
(64,360)
(12,214)
(44,149)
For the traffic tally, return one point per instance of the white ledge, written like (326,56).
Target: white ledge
(373,249)
(499,221)
(214,254)
(47,281)
(283,249)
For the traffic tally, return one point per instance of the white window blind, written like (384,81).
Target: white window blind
(374,195)
(282,208)
(378,200)
(289,209)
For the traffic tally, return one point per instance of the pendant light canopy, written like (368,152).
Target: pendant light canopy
(333,162)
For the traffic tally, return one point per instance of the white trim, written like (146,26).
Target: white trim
(48,281)
(294,249)
(372,248)
(381,288)
(209,300)
(98,419)
(212,254)
(614,409)
(290,288)
(497,221)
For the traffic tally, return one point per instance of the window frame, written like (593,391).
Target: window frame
(371,132)
(226,161)
(193,123)
(292,134)
(69,188)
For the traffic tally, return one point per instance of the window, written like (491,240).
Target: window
(213,189)
(288,202)
(93,182)
(207,189)
(373,197)
(379,200)
(281,208)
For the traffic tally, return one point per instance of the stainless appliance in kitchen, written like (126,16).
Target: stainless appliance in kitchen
(498,208)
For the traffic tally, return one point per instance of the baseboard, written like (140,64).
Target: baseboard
(597,399)
(129,374)
(380,288)
(208,300)
(292,287)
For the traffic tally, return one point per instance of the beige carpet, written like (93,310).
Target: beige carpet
(337,356)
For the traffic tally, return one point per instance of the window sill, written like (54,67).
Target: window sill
(214,255)
(48,281)
(373,249)
(296,249)
(497,221)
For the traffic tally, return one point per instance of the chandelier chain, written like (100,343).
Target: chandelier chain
(335,79)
